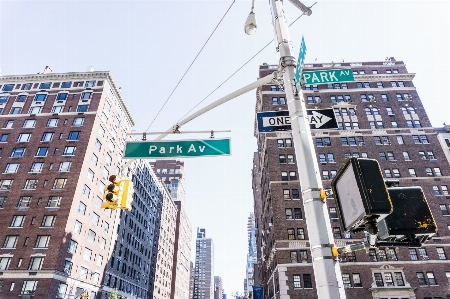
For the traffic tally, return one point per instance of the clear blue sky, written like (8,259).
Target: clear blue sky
(149,44)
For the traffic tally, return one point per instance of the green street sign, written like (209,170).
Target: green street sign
(328,76)
(177,148)
(301,59)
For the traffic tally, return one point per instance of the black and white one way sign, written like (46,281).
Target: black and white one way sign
(271,121)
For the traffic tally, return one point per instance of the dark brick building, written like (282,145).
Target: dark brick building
(380,116)
(62,135)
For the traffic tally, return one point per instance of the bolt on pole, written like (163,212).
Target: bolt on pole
(327,272)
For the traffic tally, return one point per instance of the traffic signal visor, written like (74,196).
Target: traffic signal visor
(126,197)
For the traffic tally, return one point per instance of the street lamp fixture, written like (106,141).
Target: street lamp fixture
(250,23)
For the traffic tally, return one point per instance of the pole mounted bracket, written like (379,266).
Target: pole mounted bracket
(212,134)
(176,129)
(144,136)
(288,61)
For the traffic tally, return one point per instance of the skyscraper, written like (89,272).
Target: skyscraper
(204,266)
(251,255)
(62,135)
(218,287)
(380,116)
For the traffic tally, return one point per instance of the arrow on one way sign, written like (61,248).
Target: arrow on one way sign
(318,119)
(321,119)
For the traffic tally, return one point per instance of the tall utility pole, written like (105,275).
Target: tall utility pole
(327,272)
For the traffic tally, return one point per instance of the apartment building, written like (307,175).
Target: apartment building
(443,134)
(204,266)
(380,116)
(61,136)
(172,174)
(131,269)
(166,247)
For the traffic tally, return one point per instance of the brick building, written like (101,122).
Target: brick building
(380,116)
(62,135)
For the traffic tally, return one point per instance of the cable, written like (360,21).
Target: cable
(187,113)
(190,65)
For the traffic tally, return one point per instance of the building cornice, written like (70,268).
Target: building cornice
(72,76)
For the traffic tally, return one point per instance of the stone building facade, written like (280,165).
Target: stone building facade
(380,116)
(62,135)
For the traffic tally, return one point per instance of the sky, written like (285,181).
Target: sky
(149,45)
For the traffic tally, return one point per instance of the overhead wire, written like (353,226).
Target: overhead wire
(190,65)
(187,113)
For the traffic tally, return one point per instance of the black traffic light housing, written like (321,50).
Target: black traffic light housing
(361,194)
(411,219)
(392,215)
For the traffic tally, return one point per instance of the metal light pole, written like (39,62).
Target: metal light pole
(327,272)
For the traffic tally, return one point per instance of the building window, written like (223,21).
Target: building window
(72,247)
(69,151)
(307,281)
(12,167)
(412,172)
(373,255)
(36,263)
(280,142)
(378,279)
(4,263)
(5,184)
(288,142)
(431,279)
(282,159)
(413,254)
(337,232)
(288,213)
(300,234)
(293,255)
(78,122)
(291,233)
(82,108)
(333,213)
(297,283)
(95,219)
(387,173)
(292,175)
(29,287)
(24,202)
(382,255)
(441,253)
(284,176)
(47,137)
(10,242)
(74,135)
(346,280)
(48,221)
(388,279)
(42,152)
(297,213)
(325,175)
(59,184)
(30,184)
(286,194)
(42,242)
(356,280)
(295,194)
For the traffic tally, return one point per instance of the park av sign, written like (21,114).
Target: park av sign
(328,76)
(179,148)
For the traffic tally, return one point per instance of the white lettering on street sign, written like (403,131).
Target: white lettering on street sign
(275,121)
(328,76)
(318,119)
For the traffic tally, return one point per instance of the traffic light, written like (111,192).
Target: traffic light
(392,215)
(411,220)
(112,193)
(361,195)
(126,197)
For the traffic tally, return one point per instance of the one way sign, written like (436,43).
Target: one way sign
(271,121)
